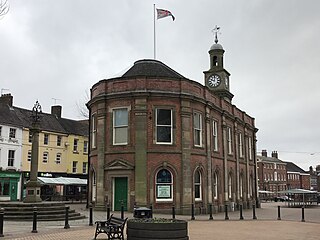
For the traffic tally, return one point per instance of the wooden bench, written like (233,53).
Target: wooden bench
(113,227)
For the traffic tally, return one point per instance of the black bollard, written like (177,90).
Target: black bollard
(90,215)
(66,220)
(122,210)
(226,217)
(151,211)
(108,210)
(241,216)
(210,211)
(173,212)
(279,214)
(192,212)
(254,212)
(1,221)
(34,225)
(302,214)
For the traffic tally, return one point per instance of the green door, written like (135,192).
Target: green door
(13,192)
(120,193)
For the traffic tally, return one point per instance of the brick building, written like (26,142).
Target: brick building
(297,177)
(272,172)
(158,138)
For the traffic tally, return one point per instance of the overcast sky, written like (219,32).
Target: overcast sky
(57,49)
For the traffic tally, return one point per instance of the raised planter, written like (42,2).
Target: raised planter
(157,229)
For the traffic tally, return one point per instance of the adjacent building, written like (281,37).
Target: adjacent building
(63,148)
(297,177)
(160,139)
(272,173)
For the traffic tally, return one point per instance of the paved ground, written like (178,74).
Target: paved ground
(265,227)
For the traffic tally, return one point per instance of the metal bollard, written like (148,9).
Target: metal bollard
(66,221)
(108,210)
(1,221)
(90,215)
(226,217)
(210,211)
(241,208)
(122,210)
(302,214)
(192,212)
(279,214)
(254,212)
(173,212)
(151,211)
(34,225)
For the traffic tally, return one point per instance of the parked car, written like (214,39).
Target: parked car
(282,199)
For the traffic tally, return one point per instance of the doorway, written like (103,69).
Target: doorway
(120,193)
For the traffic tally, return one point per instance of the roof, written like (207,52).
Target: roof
(270,159)
(62,181)
(297,191)
(291,167)
(19,117)
(151,68)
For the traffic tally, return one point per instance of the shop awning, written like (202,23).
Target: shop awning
(63,181)
(297,191)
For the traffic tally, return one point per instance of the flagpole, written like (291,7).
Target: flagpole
(154,31)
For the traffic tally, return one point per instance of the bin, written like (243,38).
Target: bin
(142,212)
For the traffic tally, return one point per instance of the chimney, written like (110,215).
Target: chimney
(56,111)
(264,153)
(6,99)
(274,154)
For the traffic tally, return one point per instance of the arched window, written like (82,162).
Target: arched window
(197,186)
(215,185)
(164,183)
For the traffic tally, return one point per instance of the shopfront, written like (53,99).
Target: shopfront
(9,186)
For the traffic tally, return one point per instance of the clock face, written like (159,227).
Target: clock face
(214,80)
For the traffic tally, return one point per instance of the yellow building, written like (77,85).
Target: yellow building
(63,149)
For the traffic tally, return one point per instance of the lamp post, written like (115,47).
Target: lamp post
(32,186)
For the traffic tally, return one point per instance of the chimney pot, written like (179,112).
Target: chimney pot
(264,153)
(7,99)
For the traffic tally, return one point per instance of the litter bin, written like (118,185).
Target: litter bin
(142,212)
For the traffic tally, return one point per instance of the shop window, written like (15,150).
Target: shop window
(164,183)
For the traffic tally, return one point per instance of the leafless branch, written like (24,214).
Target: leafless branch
(4,7)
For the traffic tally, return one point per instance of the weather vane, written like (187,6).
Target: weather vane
(215,32)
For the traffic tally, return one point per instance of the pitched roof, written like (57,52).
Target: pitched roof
(269,159)
(291,167)
(19,117)
(151,68)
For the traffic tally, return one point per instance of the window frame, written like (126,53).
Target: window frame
(197,130)
(74,166)
(229,140)
(59,140)
(215,185)
(197,185)
(157,126)
(45,139)
(75,145)
(167,184)
(12,133)
(58,158)
(45,157)
(93,131)
(123,126)
(240,144)
(215,135)
(11,157)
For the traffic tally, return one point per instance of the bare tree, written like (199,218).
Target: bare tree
(81,105)
(4,7)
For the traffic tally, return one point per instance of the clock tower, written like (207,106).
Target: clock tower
(217,78)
